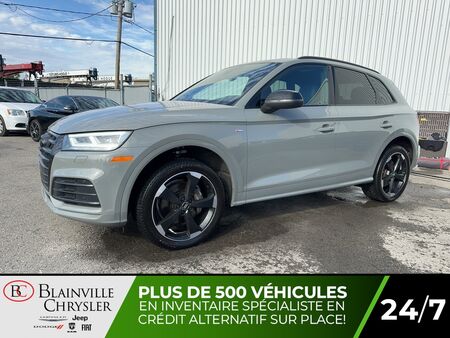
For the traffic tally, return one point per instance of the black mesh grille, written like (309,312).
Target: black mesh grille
(75,191)
(50,144)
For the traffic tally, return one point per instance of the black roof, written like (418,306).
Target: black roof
(335,60)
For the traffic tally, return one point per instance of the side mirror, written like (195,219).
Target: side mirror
(282,99)
(69,109)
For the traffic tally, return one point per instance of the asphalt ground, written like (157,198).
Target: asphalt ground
(338,231)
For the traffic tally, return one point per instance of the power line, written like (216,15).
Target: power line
(75,39)
(139,26)
(88,14)
(51,9)
(136,48)
(70,20)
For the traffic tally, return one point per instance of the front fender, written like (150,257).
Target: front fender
(222,145)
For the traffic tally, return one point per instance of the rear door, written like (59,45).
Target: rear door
(292,150)
(365,111)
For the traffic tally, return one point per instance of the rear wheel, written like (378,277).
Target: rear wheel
(391,175)
(181,204)
(35,130)
(3,130)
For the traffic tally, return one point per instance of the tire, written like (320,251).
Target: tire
(181,204)
(391,175)
(35,130)
(3,130)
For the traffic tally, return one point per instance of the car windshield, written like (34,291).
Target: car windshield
(227,86)
(89,103)
(19,96)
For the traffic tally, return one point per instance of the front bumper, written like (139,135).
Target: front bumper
(108,178)
(78,213)
(16,122)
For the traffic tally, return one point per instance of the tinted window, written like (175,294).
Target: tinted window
(228,85)
(59,103)
(311,81)
(65,101)
(19,96)
(382,94)
(91,102)
(53,104)
(353,88)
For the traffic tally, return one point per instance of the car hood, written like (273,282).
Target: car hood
(141,116)
(19,105)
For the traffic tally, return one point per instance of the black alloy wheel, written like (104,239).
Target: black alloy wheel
(394,174)
(181,204)
(35,130)
(391,175)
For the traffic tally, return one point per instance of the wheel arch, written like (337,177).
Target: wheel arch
(407,143)
(208,154)
(404,139)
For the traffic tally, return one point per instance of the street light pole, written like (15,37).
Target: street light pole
(118,42)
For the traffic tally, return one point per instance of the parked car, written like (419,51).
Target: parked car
(14,104)
(43,116)
(248,133)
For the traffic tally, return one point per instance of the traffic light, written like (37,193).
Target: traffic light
(1,63)
(93,73)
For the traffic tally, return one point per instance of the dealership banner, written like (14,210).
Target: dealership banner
(223,305)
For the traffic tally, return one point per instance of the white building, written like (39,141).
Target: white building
(405,40)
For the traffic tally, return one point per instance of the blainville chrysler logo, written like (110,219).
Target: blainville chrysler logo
(18,291)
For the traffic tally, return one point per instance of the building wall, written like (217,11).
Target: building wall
(406,40)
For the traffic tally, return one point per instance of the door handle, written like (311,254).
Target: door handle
(326,128)
(386,124)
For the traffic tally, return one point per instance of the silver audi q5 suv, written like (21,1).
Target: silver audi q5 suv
(248,133)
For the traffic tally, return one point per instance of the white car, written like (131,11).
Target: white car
(14,104)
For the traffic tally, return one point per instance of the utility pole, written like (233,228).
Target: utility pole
(121,8)
(118,42)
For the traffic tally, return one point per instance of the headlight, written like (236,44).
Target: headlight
(102,141)
(16,112)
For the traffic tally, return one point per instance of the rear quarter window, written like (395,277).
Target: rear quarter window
(353,88)
(381,92)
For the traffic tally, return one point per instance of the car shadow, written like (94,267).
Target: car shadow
(242,225)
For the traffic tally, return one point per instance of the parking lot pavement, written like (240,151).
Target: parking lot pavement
(332,232)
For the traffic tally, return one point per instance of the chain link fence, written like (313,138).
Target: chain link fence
(126,95)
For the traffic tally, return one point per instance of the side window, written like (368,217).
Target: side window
(59,103)
(311,81)
(53,104)
(352,88)
(65,101)
(382,94)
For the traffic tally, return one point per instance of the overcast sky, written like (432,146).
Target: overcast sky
(67,55)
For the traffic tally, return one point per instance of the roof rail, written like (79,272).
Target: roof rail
(335,60)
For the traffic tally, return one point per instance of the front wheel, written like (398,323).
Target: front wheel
(35,130)
(3,130)
(181,204)
(391,175)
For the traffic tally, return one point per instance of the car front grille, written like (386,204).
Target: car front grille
(50,144)
(76,191)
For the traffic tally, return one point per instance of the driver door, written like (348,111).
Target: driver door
(292,150)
